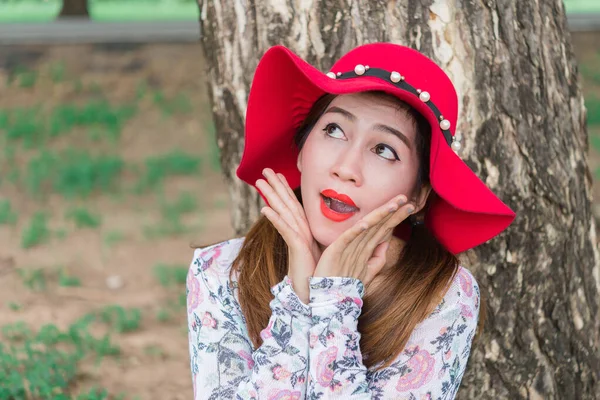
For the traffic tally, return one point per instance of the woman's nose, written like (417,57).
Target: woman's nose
(347,167)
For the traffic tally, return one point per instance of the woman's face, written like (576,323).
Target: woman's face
(362,147)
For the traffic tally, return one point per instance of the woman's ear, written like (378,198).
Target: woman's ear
(299,162)
(421,198)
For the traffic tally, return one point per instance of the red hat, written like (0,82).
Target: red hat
(464,214)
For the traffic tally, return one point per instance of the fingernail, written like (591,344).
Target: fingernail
(402,200)
(410,209)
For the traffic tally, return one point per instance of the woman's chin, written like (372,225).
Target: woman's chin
(324,240)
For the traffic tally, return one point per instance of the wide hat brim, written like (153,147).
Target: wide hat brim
(465,213)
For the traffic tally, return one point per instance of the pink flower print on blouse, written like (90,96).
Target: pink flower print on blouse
(194,296)
(465,311)
(466,283)
(324,367)
(420,370)
(280,372)
(248,357)
(209,321)
(266,333)
(313,340)
(447,355)
(210,255)
(285,395)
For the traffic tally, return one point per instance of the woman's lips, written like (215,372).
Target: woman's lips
(334,215)
(338,196)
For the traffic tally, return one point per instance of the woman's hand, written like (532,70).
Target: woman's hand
(360,252)
(287,216)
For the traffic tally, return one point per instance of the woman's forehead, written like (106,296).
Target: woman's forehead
(366,105)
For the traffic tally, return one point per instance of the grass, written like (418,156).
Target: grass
(7,215)
(27,78)
(72,173)
(58,71)
(171,223)
(23,125)
(167,10)
(121,319)
(95,113)
(44,364)
(34,279)
(66,280)
(174,163)
(164,315)
(590,73)
(592,104)
(36,232)
(112,238)
(179,104)
(169,275)
(185,203)
(582,6)
(83,218)
(78,173)
(33,127)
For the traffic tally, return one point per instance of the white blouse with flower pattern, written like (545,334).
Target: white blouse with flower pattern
(312,351)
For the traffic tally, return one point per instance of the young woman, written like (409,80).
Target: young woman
(349,285)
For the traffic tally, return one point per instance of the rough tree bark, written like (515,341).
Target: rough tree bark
(74,8)
(523,123)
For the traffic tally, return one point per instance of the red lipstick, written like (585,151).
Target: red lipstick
(334,215)
(341,197)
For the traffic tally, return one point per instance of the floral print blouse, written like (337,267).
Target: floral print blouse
(312,351)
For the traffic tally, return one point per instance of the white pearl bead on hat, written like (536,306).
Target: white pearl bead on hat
(456,146)
(395,77)
(424,96)
(331,75)
(445,124)
(359,69)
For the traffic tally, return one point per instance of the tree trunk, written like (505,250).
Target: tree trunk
(523,123)
(74,8)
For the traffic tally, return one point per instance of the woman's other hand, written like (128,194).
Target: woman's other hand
(287,216)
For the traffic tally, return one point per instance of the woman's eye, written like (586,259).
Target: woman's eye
(386,152)
(331,129)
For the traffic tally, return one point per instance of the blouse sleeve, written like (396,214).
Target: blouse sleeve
(431,365)
(223,363)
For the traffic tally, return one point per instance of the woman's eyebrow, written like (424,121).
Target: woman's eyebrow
(345,113)
(395,132)
(380,127)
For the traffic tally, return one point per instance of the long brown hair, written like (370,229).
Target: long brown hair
(413,287)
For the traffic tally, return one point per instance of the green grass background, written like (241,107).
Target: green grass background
(103,10)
